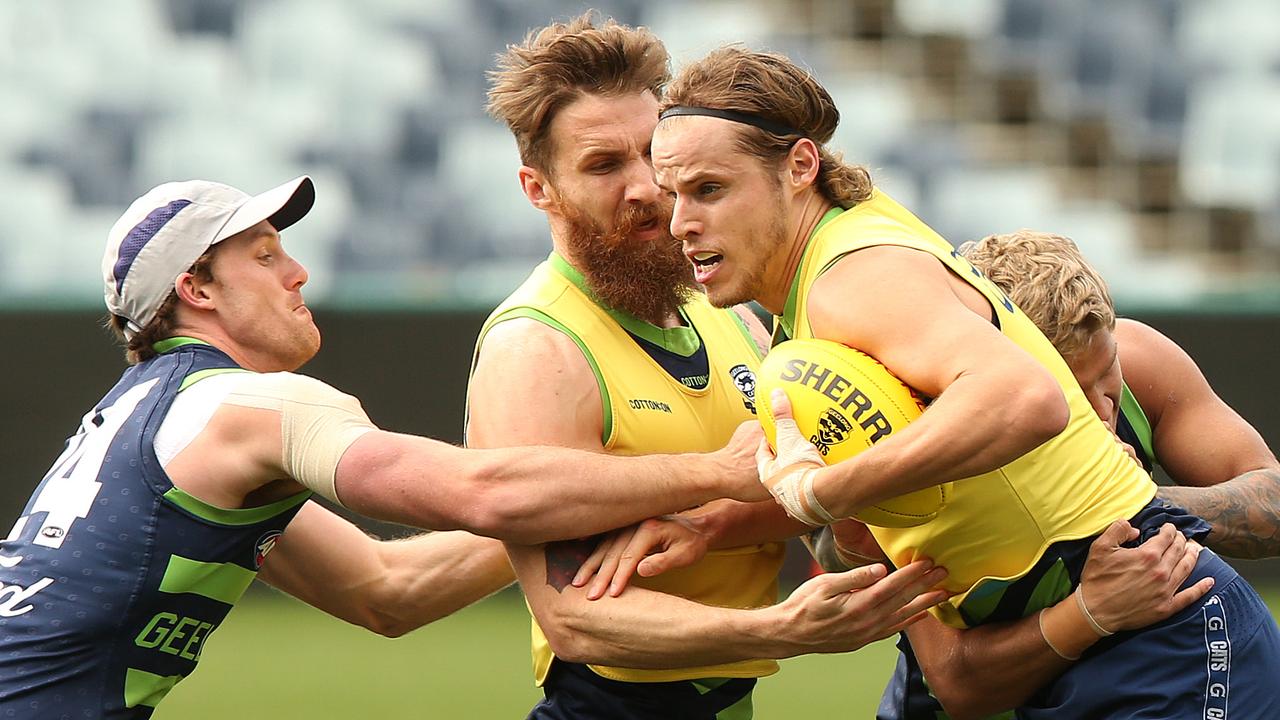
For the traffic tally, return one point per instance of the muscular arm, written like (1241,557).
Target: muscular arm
(1230,477)
(390,587)
(994,402)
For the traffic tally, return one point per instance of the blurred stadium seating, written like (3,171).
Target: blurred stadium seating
(1147,129)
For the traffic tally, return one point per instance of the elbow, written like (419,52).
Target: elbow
(961,705)
(388,626)
(1043,412)
(567,641)
(502,511)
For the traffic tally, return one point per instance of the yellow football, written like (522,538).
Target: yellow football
(844,402)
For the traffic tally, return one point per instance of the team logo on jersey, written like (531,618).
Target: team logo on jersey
(745,380)
(264,546)
(833,428)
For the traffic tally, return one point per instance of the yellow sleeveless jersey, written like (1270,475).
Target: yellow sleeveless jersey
(648,411)
(994,527)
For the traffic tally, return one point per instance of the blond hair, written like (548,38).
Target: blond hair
(770,86)
(557,64)
(1048,278)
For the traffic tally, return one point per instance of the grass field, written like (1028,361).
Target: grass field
(278,659)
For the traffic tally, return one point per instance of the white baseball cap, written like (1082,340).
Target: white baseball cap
(166,230)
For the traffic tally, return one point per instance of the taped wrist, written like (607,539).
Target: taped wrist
(317,424)
(792,486)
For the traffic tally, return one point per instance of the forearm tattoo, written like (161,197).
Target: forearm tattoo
(1244,513)
(565,557)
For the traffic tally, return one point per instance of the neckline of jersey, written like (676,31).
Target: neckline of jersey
(174,343)
(788,317)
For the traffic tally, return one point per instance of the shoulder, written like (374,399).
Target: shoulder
(528,345)
(532,384)
(1155,367)
(287,386)
(1146,354)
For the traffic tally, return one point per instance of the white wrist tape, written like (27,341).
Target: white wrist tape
(317,424)
(794,491)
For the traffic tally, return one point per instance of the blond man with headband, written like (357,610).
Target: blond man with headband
(1033,475)
(608,347)
(201,461)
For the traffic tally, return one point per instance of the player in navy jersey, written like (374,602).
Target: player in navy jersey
(193,473)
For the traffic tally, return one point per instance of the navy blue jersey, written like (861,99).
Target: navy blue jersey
(113,579)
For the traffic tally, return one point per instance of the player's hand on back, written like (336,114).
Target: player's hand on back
(647,549)
(841,612)
(1129,588)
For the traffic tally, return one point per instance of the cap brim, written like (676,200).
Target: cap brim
(282,206)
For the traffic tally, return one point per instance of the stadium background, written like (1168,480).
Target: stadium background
(1148,130)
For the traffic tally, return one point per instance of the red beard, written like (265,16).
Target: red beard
(648,279)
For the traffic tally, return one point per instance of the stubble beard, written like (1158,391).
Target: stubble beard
(759,248)
(649,279)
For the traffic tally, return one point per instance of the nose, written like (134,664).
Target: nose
(684,224)
(297,275)
(1105,406)
(642,189)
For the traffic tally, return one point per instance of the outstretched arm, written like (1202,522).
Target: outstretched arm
(533,494)
(1230,477)
(280,430)
(390,587)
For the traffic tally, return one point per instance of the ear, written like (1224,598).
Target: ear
(537,188)
(803,161)
(193,292)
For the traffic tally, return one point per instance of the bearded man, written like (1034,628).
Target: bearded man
(608,347)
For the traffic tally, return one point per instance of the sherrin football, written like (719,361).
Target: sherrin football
(844,402)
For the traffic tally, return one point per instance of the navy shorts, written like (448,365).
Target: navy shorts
(573,692)
(1217,659)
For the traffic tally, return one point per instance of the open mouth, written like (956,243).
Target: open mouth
(706,260)
(705,264)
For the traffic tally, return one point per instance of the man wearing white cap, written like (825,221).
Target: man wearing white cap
(164,505)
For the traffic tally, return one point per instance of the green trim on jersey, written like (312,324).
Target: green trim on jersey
(682,340)
(1132,412)
(146,689)
(787,319)
(199,375)
(172,343)
(538,315)
(220,581)
(232,516)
